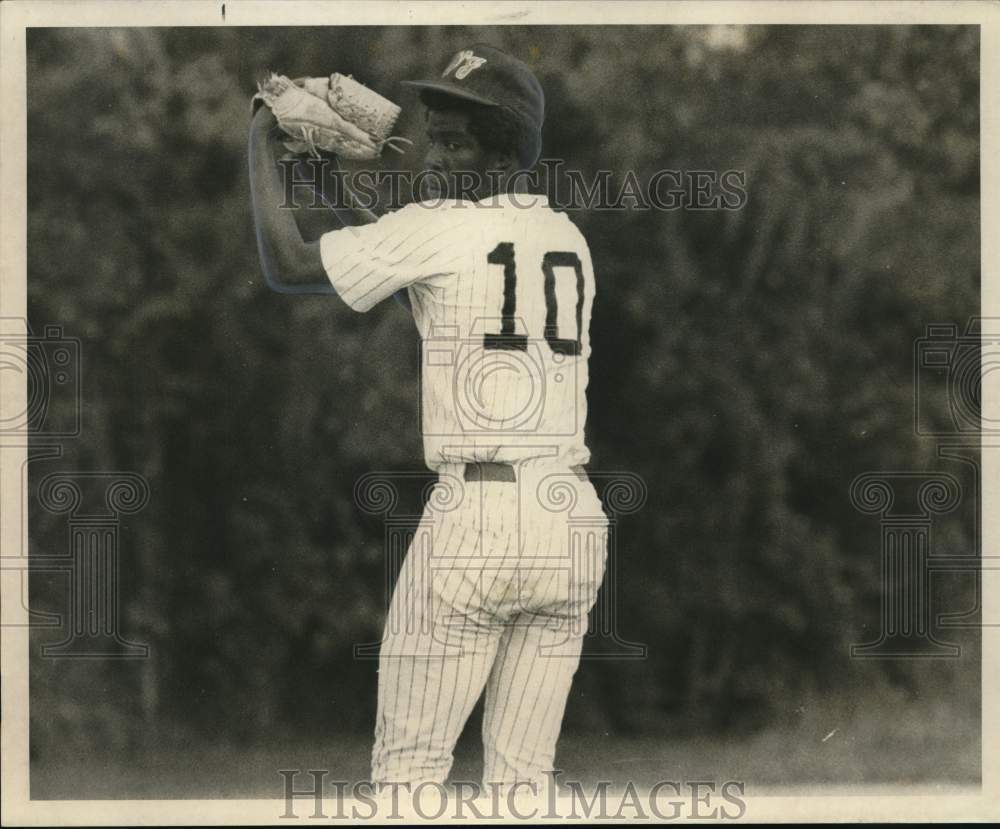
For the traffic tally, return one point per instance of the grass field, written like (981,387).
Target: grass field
(928,747)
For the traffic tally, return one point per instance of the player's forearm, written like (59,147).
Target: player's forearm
(320,198)
(290,264)
(350,213)
(403,298)
(348,210)
(344,211)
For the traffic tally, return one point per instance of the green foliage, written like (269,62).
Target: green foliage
(748,364)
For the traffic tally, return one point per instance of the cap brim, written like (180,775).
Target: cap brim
(446,88)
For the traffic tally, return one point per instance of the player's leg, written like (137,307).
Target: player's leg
(540,651)
(526,697)
(436,655)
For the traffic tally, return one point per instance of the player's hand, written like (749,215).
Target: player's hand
(294,149)
(320,87)
(297,150)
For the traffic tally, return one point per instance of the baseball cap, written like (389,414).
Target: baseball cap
(486,75)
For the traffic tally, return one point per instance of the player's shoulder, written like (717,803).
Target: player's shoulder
(423,221)
(563,218)
(442,213)
(531,207)
(429,210)
(559,222)
(439,206)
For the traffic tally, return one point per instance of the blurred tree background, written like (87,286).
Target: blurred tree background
(747,364)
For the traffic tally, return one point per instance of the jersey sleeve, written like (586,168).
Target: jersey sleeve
(368,263)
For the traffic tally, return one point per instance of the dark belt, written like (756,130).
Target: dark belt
(504,472)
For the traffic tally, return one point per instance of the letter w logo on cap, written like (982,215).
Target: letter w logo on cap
(462,64)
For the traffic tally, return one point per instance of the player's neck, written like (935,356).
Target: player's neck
(513,182)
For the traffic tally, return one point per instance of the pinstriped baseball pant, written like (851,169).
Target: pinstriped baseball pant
(493,595)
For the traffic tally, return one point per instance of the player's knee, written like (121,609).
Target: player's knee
(505,764)
(410,767)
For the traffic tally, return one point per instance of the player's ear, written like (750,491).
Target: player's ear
(507,161)
(504,162)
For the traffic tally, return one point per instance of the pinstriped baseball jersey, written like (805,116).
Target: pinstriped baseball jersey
(501,292)
(494,593)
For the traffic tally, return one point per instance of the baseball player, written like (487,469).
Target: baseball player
(494,593)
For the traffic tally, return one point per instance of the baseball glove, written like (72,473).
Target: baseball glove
(336,114)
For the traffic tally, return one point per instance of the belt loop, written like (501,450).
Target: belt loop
(490,471)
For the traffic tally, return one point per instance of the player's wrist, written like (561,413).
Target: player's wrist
(263,120)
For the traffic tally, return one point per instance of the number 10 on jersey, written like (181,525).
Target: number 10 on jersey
(507,339)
